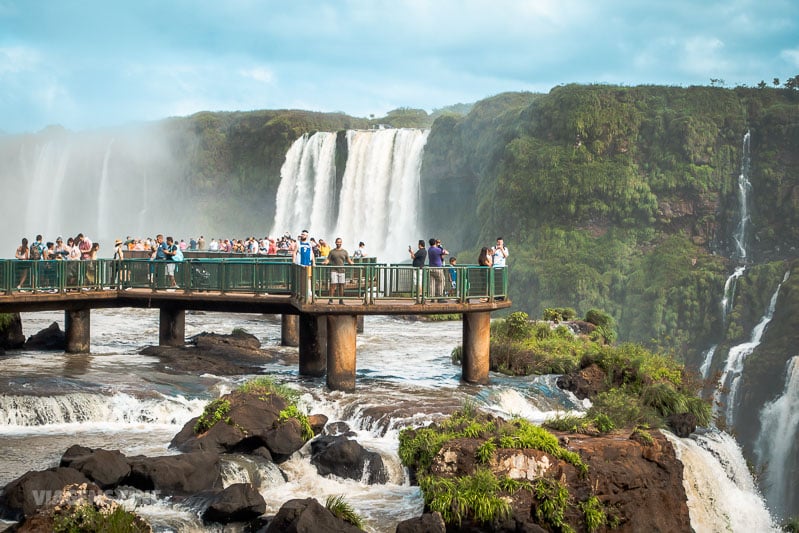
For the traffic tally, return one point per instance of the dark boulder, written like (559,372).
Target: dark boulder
(346,458)
(317,423)
(682,424)
(584,383)
(104,467)
(427,523)
(307,516)
(32,490)
(179,475)
(252,422)
(50,338)
(11,335)
(237,503)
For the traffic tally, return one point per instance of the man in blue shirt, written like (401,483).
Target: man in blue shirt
(435,258)
(305,258)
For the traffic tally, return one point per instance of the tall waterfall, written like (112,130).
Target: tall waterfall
(775,447)
(376,202)
(744,186)
(726,394)
(722,495)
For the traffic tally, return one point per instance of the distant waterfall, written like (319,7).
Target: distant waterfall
(776,444)
(722,495)
(744,186)
(378,198)
(726,394)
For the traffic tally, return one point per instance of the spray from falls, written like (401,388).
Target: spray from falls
(378,197)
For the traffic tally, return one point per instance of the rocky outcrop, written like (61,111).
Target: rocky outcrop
(11,336)
(221,355)
(584,383)
(638,484)
(239,502)
(346,458)
(252,422)
(427,523)
(26,494)
(106,468)
(50,338)
(307,516)
(177,475)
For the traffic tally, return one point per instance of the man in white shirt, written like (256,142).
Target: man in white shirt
(500,253)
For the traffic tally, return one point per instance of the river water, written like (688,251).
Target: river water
(115,398)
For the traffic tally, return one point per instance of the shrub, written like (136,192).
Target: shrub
(292,411)
(486,451)
(477,496)
(518,325)
(88,519)
(215,411)
(265,385)
(559,314)
(553,498)
(593,514)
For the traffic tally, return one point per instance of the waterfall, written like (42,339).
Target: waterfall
(705,368)
(727,389)
(722,495)
(23,413)
(775,446)
(744,186)
(729,294)
(105,200)
(379,194)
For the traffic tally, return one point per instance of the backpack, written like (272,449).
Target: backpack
(36,252)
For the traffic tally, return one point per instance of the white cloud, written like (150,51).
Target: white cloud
(791,56)
(260,74)
(703,56)
(16,59)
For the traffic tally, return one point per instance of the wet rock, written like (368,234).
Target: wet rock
(683,424)
(427,523)
(239,502)
(11,335)
(222,355)
(317,423)
(179,475)
(346,458)
(50,338)
(104,467)
(308,516)
(252,422)
(32,490)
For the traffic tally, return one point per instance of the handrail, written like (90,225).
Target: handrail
(366,282)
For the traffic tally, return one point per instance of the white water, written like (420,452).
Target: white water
(726,395)
(776,445)
(379,195)
(744,186)
(721,493)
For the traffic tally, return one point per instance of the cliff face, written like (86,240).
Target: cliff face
(638,484)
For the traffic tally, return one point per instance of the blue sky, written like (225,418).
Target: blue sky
(87,64)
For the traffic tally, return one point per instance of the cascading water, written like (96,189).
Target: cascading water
(776,445)
(721,492)
(726,395)
(739,253)
(379,194)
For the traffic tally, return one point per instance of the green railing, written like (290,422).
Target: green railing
(366,281)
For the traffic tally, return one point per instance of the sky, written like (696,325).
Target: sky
(91,64)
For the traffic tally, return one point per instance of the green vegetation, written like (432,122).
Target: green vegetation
(88,519)
(5,320)
(264,386)
(215,411)
(553,500)
(343,510)
(292,411)
(478,496)
(593,513)
(618,198)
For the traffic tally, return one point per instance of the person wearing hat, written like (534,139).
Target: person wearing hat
(119,256)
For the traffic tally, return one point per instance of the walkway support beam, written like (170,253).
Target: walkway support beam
(77,326)
(172,327)
(342,331)
(476,347)
(289,330)
(313,345)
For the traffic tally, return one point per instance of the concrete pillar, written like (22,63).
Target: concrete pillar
(313,345)
(289,330)
(77,326)
(360,323)
(172,327)
(341,333)
(476,343)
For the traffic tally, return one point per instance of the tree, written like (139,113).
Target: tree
(792,83)
(761,85)
(776,82)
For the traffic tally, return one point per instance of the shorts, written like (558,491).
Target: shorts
(338,278)
(170,269)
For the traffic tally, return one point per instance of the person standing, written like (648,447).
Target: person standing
(305,258)
(201,243)
(418,258)
(435,259)
(170,251)
(337,256)
(499,253)
(360,252)
(23,254)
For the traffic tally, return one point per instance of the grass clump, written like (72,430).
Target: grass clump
(477,496)
(553,500)
(5,320)
(265,386)
(292,411)
(215,411)
(343,510)
(594,514)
